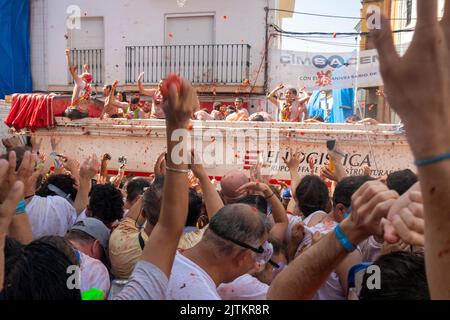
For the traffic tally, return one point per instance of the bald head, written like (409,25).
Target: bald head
(232,181)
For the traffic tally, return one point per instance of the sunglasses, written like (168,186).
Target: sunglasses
(263,252)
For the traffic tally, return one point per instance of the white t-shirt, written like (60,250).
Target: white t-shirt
(147,282)
(190,282)
(50,216)
(94,274)
(245,287)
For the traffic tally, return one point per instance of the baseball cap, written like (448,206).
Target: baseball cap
(95,228)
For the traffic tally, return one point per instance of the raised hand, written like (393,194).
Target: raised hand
(54,141)
(160,165)
(141,77)
(10,199)
(89,168)
(294,162)
(36,143)
(180,106)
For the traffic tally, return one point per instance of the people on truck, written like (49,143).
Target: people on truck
(291,109)
(157,111)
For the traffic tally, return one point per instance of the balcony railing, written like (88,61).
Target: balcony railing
(201,64)
(93,58)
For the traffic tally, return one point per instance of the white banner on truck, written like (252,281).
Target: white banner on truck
(326,71)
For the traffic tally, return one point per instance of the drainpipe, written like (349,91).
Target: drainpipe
(266,52)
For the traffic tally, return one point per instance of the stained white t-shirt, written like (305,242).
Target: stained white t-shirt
(188,281)
(50,216)
(147,282)
(245,287)
(94,274)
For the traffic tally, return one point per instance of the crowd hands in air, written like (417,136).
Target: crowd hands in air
(290,107)
(181,235)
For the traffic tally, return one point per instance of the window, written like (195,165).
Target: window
(409,5)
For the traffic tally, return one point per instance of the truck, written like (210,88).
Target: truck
(226,146)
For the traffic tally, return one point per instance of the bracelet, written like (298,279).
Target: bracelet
(177,170)
(21,207)
(430,161)
(267,198)
(343,239)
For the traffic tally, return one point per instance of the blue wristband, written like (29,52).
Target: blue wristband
(343,239)
(427,162)
(21,207)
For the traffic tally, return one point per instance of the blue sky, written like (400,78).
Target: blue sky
(303,23)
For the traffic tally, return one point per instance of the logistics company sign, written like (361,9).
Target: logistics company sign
(326,71)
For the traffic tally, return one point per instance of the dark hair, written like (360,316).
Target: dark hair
(278,247)
(195,208)
(217,105)
(293,91)
(401,181)
(135,100)
(402,277)
(312,195)
(152,200)
(256,201)
(124,96)
(231,110)
(240,99)
(136,187)
(346,188)
(63,181)
(39,271)
(106,203)
(258,117)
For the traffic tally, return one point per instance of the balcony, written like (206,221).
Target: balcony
(93,58)
(220,64)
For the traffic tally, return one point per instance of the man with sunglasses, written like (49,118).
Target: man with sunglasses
(227,251)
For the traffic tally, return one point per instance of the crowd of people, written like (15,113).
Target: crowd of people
(179,235)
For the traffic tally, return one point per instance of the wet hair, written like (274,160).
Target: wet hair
(106,203)
(401,181)
(258,118)
(217,105)
(238,222)
(136,187)
(124,96)
(63,181)
(152,200)
(195,208)
(240,99)
(346,188)
(256,201)
(39,271)
(135,100)
(293,91)
(402,277)
(312,195)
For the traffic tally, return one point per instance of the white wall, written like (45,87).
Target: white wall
(142,22)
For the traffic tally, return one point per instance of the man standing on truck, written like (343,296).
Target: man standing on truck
(81,96)
(291,109)
(157,98)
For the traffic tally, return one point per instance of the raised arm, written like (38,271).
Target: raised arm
(72,68)
(308,272)
(272,97)
(88,170)
(293,165)
(213,202)
(426,128)
(142,90)
(163,242)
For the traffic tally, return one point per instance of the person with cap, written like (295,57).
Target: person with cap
(82,90)
(91,237)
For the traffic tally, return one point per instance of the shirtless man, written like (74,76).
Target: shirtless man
(157,98)
(113,108)
(292,109)
(81,96)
